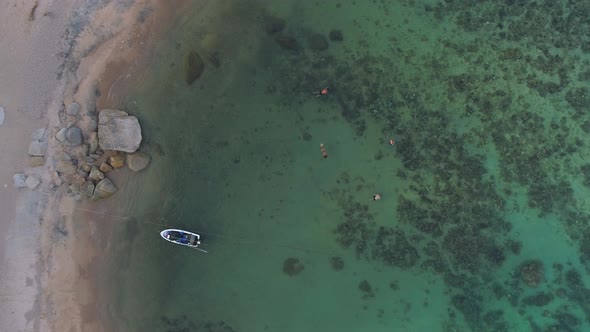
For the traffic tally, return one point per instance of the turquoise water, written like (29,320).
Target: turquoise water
(482,225)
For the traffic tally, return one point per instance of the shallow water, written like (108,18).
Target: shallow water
(483,221)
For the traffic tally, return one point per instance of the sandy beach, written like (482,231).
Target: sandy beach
(56,53)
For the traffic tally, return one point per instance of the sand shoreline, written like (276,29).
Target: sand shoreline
(53,250)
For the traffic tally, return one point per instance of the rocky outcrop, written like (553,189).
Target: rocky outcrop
(137,161)
(118,131)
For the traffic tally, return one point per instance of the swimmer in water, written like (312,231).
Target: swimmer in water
(322,92)
(324,152)
(376,197)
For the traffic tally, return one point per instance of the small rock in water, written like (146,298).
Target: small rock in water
(86,168)
(38,148)
(318,42)
(89,159)
(36,161)
(19,180)
(61,135)
(273,24)
(138,161)
(95,174)
(2,115)
(105,188)
(32,182)
(336,35)
(117,161)
(287,43)
(195,67)
(73,109)
(74,136)
(104,167)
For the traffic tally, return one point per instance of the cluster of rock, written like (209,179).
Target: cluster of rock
(85,151)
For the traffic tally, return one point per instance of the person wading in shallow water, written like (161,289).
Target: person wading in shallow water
(322,92)
(324,152)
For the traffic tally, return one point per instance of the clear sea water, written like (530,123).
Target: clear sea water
(483,221)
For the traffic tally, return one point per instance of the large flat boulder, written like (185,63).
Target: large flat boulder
(118,131)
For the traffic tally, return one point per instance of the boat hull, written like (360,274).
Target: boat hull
(181,237)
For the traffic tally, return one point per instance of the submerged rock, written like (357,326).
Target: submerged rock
(532,273)
(292,266)
(318,42)
(137,161)
(194,67)
(287,43)
(273,24)
(118,131)
(336,35)
(105,188)
(2,115)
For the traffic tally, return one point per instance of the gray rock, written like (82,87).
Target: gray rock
(74,136)
(62,155)
(73,109)
(65,168)
(19,180)
(61,135)
(32,182)
(138,161)
(56,179)
(105,188)
(2,115)
(89,159)
(95,174)
(39,134)
(92,125)
(38,148)
(75,188)
(94,155)
(93,143)
(88,188)
(118,131)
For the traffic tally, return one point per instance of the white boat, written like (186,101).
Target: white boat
(184,238)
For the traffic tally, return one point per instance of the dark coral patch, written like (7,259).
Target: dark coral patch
(292,266)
